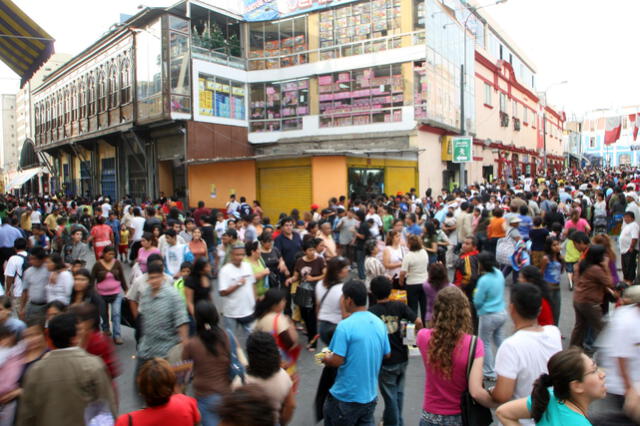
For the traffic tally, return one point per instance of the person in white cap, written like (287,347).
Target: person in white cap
(620,357)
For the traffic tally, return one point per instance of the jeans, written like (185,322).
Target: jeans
(429,419)
(326,330)
(339,413)
(113,302)
(360,262)
(416,298)
(490,330)
(391,382)
(208,405)
(233,323)
(556,301)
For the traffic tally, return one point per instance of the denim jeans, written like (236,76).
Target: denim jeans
(115,306)
(233,323)
(340,413)
(360,263)
(429,419)
(208,405)
(490,330)
(391,381)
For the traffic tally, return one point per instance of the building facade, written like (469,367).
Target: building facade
(9,154)
(290,107)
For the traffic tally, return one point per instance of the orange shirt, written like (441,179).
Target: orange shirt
(495,229)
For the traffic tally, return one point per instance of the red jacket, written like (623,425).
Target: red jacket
(100,345)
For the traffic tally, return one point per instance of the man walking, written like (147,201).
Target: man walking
(628,242)
(235,282)
(357,348)
(60,387)
(34,282)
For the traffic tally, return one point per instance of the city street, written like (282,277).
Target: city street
(310,373)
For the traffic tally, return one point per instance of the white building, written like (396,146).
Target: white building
(8,151)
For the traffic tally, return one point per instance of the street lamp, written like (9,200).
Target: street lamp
(463,69)
(544,120)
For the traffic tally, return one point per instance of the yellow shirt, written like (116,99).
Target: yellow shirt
(124,237)
(25,221)
(51,221)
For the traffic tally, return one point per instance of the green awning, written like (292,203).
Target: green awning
(24,46)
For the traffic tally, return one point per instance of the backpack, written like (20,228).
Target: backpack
(25,265)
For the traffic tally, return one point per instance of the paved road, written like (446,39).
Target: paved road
(310,373)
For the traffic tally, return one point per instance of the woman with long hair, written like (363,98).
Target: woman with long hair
(593,280)
(84,291)
(551,266)
(273,259)
(561,397)
(271,319)
(148,246)
(430,240)
(372,267)
(445,351)
(532,275)
(60,285)
(111,285)
(604,240)
(197,245)
(265,371)
(488,299)
(197,286)
(209,350)
(438,279)
(393,254)
(328,296)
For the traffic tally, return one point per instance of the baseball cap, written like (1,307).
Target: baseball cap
(514,219)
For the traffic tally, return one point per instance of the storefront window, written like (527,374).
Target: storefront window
(370,95)
(278,44)
(149,71)
(279,106)
(363,21)
(365,182)
(221,97)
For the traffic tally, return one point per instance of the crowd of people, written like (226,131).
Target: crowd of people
(224,302)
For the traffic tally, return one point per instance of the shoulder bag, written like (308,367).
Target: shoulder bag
(473,414)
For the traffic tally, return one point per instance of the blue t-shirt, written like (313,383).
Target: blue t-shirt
(558,414)
(488,296)
(361,339)
(525,226)
(414,229)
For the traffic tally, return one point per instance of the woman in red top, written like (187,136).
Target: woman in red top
(197,246)
(532,275)
(102,236)
(156,383)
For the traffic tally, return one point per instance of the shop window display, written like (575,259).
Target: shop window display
(278,106)
(364,96)
(366,20)
(220,97)
(278,44)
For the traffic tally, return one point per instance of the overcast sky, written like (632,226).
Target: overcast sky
(589,43)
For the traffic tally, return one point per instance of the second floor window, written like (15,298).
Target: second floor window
(487,94)
(102,93)
(82,110)
(113,87)
(503,102)
(125,82)
(91,97)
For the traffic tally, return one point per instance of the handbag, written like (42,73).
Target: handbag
(236,367)
(304,295)
(504,249)
(473,414)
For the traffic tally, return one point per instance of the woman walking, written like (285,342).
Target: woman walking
(110,283)
(413,273)
(197,245)
(488,299)
(551,266)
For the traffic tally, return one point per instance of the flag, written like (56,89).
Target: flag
(612,130)
(636,122)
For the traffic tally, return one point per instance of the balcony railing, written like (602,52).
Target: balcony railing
(218,57)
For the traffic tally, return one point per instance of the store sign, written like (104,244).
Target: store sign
(462,149)
(267,10)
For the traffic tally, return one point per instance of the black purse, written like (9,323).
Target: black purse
(305,294)
(473,414)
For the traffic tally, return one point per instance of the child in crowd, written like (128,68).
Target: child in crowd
(123,246)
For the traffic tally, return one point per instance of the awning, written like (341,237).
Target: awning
(23,177)
(24,46)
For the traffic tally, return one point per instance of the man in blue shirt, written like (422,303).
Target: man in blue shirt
(357,348)
(412,228)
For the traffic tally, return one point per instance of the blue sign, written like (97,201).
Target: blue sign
(267,10)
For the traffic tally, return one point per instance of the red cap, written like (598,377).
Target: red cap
(314,207)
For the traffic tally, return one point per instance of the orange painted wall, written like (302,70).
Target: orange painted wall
(328,178)
(239,176)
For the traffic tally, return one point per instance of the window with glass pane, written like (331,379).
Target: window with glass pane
(487,94)
(179,45)
(102,92)
(525,114)
(281,106)
(221,97)
(256,45)
(280,43)
(113,87)
(149,71)
(125,82)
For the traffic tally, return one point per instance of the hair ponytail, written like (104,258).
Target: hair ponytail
(540,396)
(207,329)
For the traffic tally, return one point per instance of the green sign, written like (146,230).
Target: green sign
(462,149)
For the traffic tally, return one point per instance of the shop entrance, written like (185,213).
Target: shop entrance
(365,182)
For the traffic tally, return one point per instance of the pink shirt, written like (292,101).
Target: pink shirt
(581,225)
(101,238)
(442,395)
(108,286)
(143,255)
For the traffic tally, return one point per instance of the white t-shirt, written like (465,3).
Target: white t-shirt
(106,208)
(621,339)
(137,223)
(221,226)
(173,256)
(61,289)
(14,269)
(241,302)
(377,224)
(330,310)
(524,356)
(35,216)
(629,232)
(631,207)
(415,264)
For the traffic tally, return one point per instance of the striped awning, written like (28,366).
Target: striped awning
(24,46)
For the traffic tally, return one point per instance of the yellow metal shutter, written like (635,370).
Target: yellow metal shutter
(399,179)
(282,189)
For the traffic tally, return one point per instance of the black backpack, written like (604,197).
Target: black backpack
(25,264)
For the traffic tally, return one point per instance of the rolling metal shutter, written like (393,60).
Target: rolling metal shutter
(282,189)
